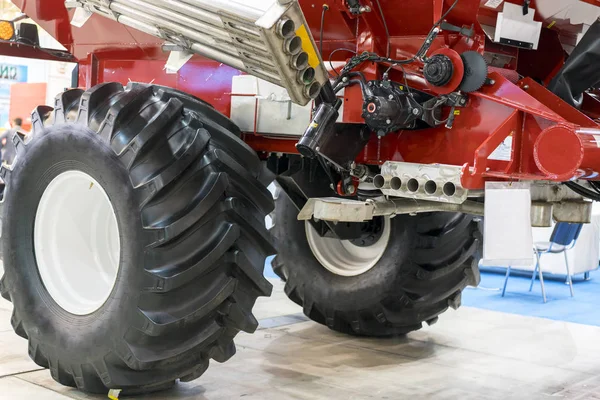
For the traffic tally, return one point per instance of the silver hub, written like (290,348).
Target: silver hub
(343,257)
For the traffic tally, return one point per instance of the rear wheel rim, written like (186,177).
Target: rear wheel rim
(343,257)
(76,241)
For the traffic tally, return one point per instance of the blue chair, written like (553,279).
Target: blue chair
(564,236)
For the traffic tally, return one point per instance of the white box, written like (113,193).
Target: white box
(507,236)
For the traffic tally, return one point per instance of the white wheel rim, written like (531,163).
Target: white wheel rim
(76,241)
(342,257)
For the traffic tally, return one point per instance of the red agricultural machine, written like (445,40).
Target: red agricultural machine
(133,221)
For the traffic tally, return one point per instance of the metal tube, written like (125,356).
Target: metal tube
(186,9)
(244,34)
(198,25)
(198,48)
(231,7)
(253,52)
(189,33)
(134,23)
(210,18)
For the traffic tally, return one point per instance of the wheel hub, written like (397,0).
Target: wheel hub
(351,257)
(371,232)
(76,241)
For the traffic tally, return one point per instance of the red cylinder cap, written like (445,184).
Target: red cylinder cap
(558,152)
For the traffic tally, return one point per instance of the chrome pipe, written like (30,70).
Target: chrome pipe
(201,38)
(207,17)
(202,50)
(249,35)
(187,20)
(233,7)
(206,45)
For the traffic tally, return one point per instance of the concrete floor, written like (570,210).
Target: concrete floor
(468,354)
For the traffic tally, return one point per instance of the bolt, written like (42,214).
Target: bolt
(463,101)
(318,148)
(416,111)
(388,121)
(492,82)
(391,97)
(350,189)
(526,87)
(345,79)
(477,220)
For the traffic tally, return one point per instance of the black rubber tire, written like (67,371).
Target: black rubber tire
(431,258)
(190,210)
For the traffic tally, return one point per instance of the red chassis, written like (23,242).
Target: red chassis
(550,139)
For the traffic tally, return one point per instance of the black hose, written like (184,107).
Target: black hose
(325,8)
(585,192)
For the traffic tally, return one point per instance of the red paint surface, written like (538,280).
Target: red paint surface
(108,51)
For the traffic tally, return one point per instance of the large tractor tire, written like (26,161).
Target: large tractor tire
(404,270)
(133,238)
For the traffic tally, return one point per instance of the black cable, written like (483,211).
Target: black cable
(406,80)
(595,185)
(327,170)
(585,192)
(418,54)
(359,59)
(446,14)
(362,82)
(385,25)
(368,194)
(335,51)
(325,8)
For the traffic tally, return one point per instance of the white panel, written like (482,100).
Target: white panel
(513,25)
(508,237)
(277,115)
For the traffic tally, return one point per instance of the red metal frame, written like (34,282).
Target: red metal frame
(551,140)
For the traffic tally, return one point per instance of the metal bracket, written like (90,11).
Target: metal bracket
(433,182)
(80,17)
(344,210)
(177,59)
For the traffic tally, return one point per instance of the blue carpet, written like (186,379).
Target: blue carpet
(584,308)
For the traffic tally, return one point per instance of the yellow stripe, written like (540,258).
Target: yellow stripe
(551,24)
(313,58)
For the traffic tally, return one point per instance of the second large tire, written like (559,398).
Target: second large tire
(190,210)
(429,260)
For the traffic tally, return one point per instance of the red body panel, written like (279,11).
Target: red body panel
(108,51)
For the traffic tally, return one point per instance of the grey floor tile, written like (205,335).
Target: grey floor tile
(16,389)
(468,354)
(13,355)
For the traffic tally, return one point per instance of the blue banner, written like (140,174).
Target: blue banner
(13,73)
